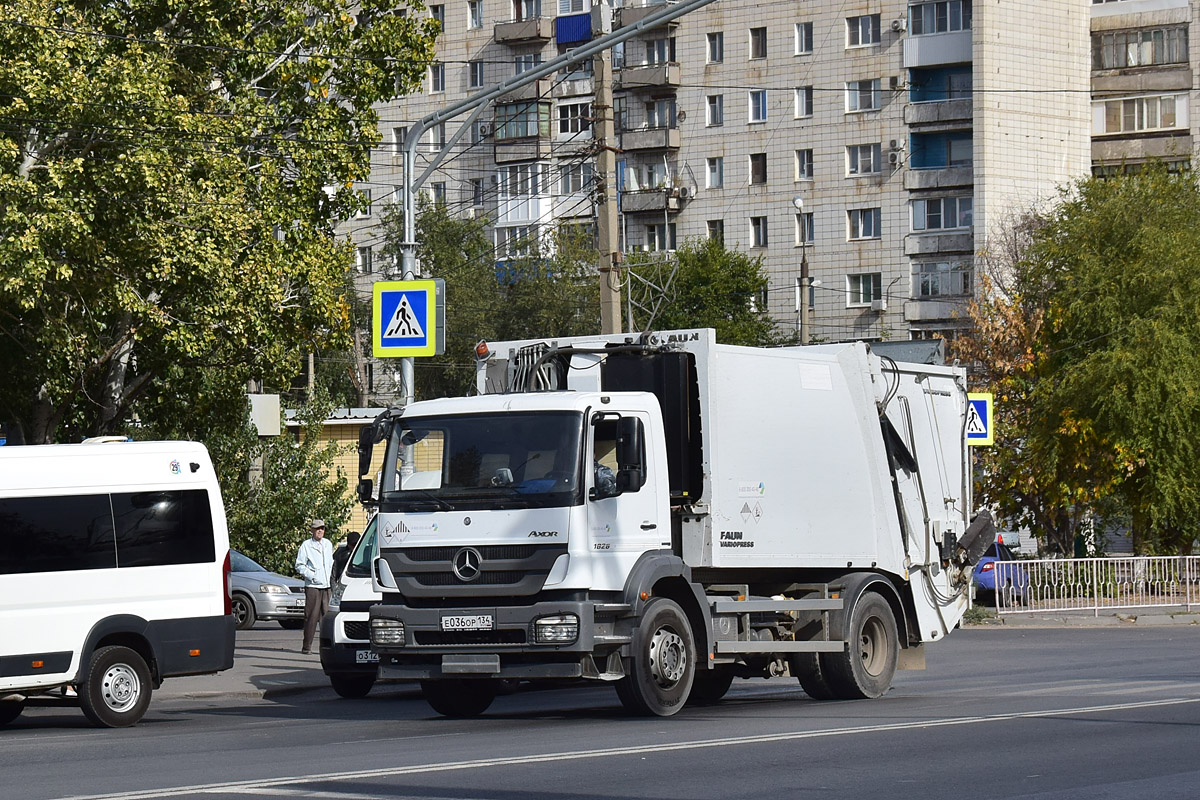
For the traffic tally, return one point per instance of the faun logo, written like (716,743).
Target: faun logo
(542,534)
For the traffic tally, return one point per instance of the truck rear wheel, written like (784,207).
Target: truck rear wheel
(710,685)
(458,697)
(806,668)
(866,667)
(658,678)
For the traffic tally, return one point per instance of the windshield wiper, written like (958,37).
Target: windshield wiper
(442,504)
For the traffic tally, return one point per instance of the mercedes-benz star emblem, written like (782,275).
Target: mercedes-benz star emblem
(467,564)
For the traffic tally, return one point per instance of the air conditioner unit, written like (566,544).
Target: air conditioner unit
(470,214)
(894,158)
(485,129)
(893,82)
(896,144)
(899,25)
(879,305)
(683,192)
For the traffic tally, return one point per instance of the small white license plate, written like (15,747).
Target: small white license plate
(467,622)
(365,657)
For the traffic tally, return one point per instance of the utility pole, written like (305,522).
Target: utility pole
(804,309)
(607,235)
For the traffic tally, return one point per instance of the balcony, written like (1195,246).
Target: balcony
(522,209)
(941,112)
(628,15)
(928,244)
(524,31)
(930,309)
(664,199)
(650,76)
(937,49)
(939,178)
(526,148)
(574,84)
(651,139)
(531,91)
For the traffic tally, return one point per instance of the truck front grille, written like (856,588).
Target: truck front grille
(509,570)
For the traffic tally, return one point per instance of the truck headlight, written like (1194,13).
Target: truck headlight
(559,629)
(270,588)
(387,632)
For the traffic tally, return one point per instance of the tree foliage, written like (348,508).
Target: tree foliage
(170,174)
(1093,344)
(707,286)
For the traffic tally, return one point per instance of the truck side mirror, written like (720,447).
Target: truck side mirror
(366,491)
(631,455)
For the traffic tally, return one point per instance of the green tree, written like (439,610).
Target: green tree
(1102,375)
(170,174)
(707,286)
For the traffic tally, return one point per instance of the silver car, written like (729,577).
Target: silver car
(259,593)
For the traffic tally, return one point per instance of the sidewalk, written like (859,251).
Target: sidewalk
(267,663)
(1087,618)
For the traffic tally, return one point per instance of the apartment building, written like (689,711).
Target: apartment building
(881,141)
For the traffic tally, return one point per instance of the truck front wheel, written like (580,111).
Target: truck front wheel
(459,697)
(658,677)
(866,667)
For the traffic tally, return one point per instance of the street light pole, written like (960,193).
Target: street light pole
(805,289)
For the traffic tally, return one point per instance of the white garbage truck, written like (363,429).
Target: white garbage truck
(669,513)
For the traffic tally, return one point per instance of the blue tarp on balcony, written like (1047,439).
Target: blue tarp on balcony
(573,29)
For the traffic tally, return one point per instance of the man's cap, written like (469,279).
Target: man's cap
(317,523)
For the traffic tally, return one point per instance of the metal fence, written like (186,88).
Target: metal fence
(1034,586)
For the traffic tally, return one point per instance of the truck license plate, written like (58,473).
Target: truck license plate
(365,657)
(467,622)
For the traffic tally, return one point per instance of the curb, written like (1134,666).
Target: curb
(1084,620)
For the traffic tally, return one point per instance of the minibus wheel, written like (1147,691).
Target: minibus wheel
(117,690)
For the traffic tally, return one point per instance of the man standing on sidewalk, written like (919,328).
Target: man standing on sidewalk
(314,562)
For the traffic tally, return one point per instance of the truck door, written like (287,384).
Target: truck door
(623,508)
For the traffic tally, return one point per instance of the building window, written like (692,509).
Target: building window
(437,193)
(1142,114)
(716,47)
(474,14)
(366,209)
(804,164)
(716,173)
(758,168)
(521,180)
(437,138)
(758,43)
(803,102)
(576,178)
(960,152)
(1140,48)
(805,229)
(660,236)
(398,137)
(862,95)
(574,118)
(862,290)
(863,159)
(527,61)
(660,113)
(363,261)
(804,38)
(515,120)
(940,17)
(437,77)
(649,176)
(758,105)
(660,51)
(716,110)
(476,191)
(862,31)
(941,278)
(941,213)
(864,223)
(515,242)
(526,9)
(474,74)
(716,229)
(758,231)
(439,13)
(571,7)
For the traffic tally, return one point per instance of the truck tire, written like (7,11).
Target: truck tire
(866,667)
(352,687)
(458,697)
(243,612)
(710,685)
(116,691)
(806,668)
(658,677)
(10,710)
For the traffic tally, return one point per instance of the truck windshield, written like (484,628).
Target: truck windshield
(508,460)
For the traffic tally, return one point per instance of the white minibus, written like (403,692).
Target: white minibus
(114,574)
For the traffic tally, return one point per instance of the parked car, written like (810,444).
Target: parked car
(345,642)
(1013,579)
(259,593)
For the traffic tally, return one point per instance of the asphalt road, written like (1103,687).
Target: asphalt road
(999,713)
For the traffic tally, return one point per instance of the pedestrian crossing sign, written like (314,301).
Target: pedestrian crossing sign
(404,319)
(979,418)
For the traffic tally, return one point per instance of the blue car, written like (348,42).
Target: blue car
(1012,578)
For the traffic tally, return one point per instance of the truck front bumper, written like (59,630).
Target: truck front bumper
(509,649)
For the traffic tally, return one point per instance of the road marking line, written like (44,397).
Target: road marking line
(658,747)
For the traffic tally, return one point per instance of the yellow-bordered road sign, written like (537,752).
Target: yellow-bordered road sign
(979,418)
(404,319)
